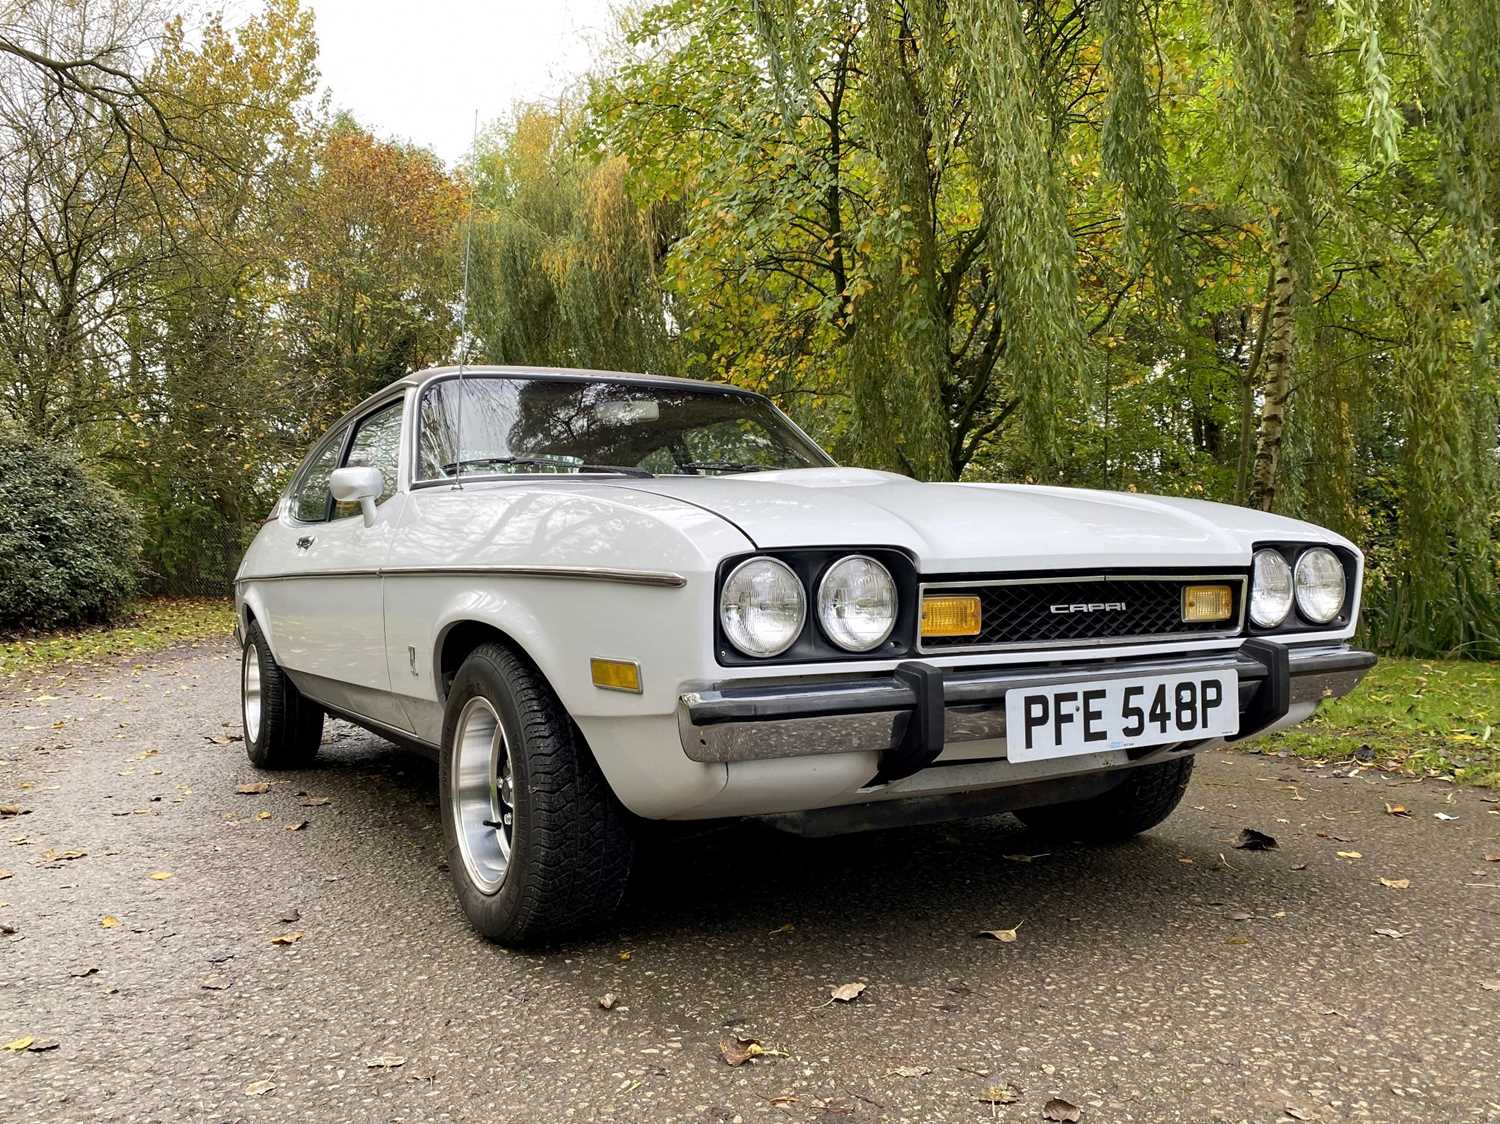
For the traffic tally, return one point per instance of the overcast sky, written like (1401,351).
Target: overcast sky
(418,71)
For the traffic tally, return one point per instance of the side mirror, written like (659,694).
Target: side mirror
(358,484)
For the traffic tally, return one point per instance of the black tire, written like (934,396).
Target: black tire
(290,726)
(570,845)
(1146,797)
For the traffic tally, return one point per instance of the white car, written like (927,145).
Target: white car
(601,598)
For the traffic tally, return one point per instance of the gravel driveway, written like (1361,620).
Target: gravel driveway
(1172,979)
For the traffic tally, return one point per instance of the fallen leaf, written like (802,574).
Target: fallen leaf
(1004,936)
(214,983)
(1490,985)
(161,875)
(290,916)
(999,1094)
(1443,816)
(255,789)
(1492,856)
(1294,1112)
(911,1071)
(288,938)
(1252,840)
(1025,858)
(737,1051)
(19,1044)
(298,826)
(259,1088)
(1396,883)
(1185,859)
(385,1061)
(1350,855)
(316,802)
(1238,940)
(4,874)
(1060,1110)
(847,993)
(1299,866)
(14,810)
(624,956)
(54,856)
(607,1001)
(1397,810)
(38,1045)
(263,814)
(83,972)
(1394,933)
(108,921)
(1238,915)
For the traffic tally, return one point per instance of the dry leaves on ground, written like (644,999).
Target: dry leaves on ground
(1061,1111)
(847,993)
(607,1001)
(911,1071)
(741,1049)
(316,802)
(108,921)
(1397,810)
(1492,856)
(289,938)
(259,1088)
(160,875)
(1350,855)
(1394,934)
(1252,840)
(1444,816)
(298,826)
(256,789)
(1396,883)
(385,1061)
(1004,1093)
(1004,936)
(4,874)
(14,810)
(54,856)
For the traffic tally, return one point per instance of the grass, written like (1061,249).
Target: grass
(147,626)
(1425,717)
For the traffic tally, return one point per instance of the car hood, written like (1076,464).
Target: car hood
(958,528)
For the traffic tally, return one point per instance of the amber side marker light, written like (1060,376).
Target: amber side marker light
(616,675)
(1207,603)
(950,616)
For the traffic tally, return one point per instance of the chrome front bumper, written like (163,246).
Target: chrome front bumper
(910,714)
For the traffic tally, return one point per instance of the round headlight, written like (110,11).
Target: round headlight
(1320,585)
(1270,589)
(762,607)
(857,603)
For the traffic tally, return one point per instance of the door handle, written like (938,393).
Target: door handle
(304,542)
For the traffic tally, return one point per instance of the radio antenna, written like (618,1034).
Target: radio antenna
(463,307)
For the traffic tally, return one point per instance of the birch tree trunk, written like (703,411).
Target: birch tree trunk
(1277,364)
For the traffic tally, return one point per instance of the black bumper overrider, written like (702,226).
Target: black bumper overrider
(911,713)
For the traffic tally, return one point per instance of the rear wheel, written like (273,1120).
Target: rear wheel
(537,844)
(282,728)
(1145,798)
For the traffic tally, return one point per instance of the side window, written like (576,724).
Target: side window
(376,444)
(310,494)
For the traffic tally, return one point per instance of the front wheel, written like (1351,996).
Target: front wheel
(537,844)
(1146,797)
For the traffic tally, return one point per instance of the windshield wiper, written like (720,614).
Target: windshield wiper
(557,464)
(723,466)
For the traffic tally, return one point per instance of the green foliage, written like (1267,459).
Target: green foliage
(1429,717)
(142,626)
(69,544)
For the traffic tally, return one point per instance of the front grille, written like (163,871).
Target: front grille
(1019,613)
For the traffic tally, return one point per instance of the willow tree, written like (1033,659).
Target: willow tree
(564,269)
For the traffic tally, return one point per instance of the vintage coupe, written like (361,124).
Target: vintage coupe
(602,599)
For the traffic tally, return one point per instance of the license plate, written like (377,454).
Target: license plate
(1059,721)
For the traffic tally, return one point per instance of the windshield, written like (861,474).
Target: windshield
(530,425)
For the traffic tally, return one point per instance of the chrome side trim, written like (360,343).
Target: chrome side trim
(1092,642)
(563,573)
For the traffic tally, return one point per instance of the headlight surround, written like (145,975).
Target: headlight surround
(1270,588)
(857,603)
(762,607)
(1321,584)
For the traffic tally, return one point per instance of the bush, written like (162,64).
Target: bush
(69,544)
